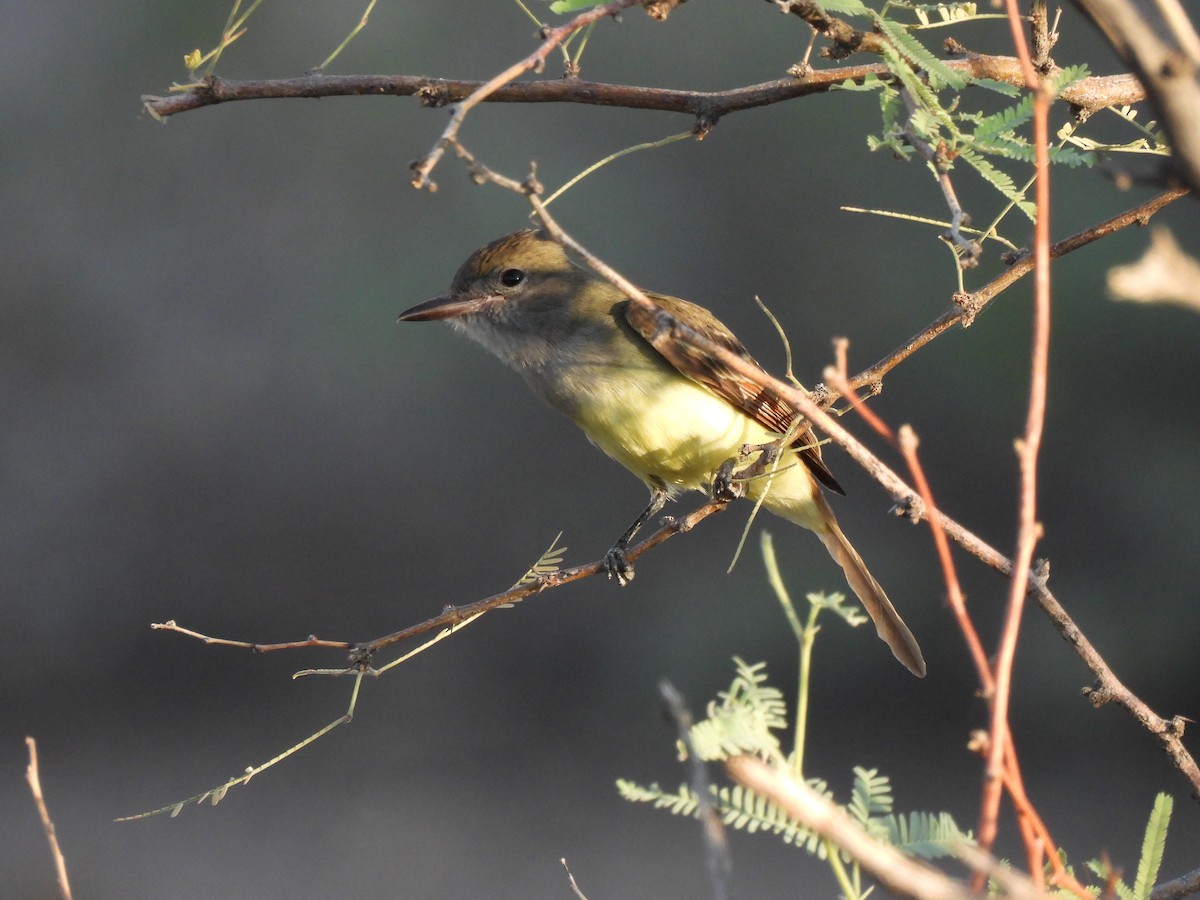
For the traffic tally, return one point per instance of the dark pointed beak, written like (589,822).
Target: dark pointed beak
(447,306)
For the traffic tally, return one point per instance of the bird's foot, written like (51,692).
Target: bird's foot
(617,566)
(728,485)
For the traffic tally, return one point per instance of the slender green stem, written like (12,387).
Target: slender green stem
(651,145)
(230,33)
(839,871)
(587,32)
(807,640)
(806,635)
(540,24)
(362,21)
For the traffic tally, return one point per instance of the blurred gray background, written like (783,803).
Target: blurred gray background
(210,415)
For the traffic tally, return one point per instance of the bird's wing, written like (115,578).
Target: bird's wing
(755,399)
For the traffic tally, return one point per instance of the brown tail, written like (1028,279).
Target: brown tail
(888,624)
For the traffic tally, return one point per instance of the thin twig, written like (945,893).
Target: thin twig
(846,39)
(906,442)
(551,38)
(35,787)
(1036,836)
(1095,92)
(968,306)
(969,250)
(571,880)
(452,615)
(310,641)
(716,844)
(954,593)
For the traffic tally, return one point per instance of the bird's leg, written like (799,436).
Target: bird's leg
(615,563)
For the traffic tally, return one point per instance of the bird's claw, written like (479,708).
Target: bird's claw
(726,484)
(617,566)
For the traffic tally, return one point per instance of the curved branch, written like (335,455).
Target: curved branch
(1092,93)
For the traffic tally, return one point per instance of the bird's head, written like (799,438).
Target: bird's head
(517,269)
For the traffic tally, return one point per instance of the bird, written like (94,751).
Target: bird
(665,409)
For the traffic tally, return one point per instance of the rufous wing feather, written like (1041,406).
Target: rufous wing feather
(669,335)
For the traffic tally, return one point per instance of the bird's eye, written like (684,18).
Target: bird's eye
(512,277)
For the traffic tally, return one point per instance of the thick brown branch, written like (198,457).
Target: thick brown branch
(1183,886)
(1091,93)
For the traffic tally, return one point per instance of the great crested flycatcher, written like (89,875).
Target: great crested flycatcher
(670,414)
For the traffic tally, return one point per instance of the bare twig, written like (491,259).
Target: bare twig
(1040,36)
(551,38)
(969,250)
(571,880)
(310,641)
(452,615)
(362,653)
(716,844)
(906,442)
(35,787)
(1092,93)
(1038,842)
(954,593)
(846,39)
(968,306)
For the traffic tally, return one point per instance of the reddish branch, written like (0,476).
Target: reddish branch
(1029,530)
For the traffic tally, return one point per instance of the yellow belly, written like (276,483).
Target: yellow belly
(677,433)
(671,431)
